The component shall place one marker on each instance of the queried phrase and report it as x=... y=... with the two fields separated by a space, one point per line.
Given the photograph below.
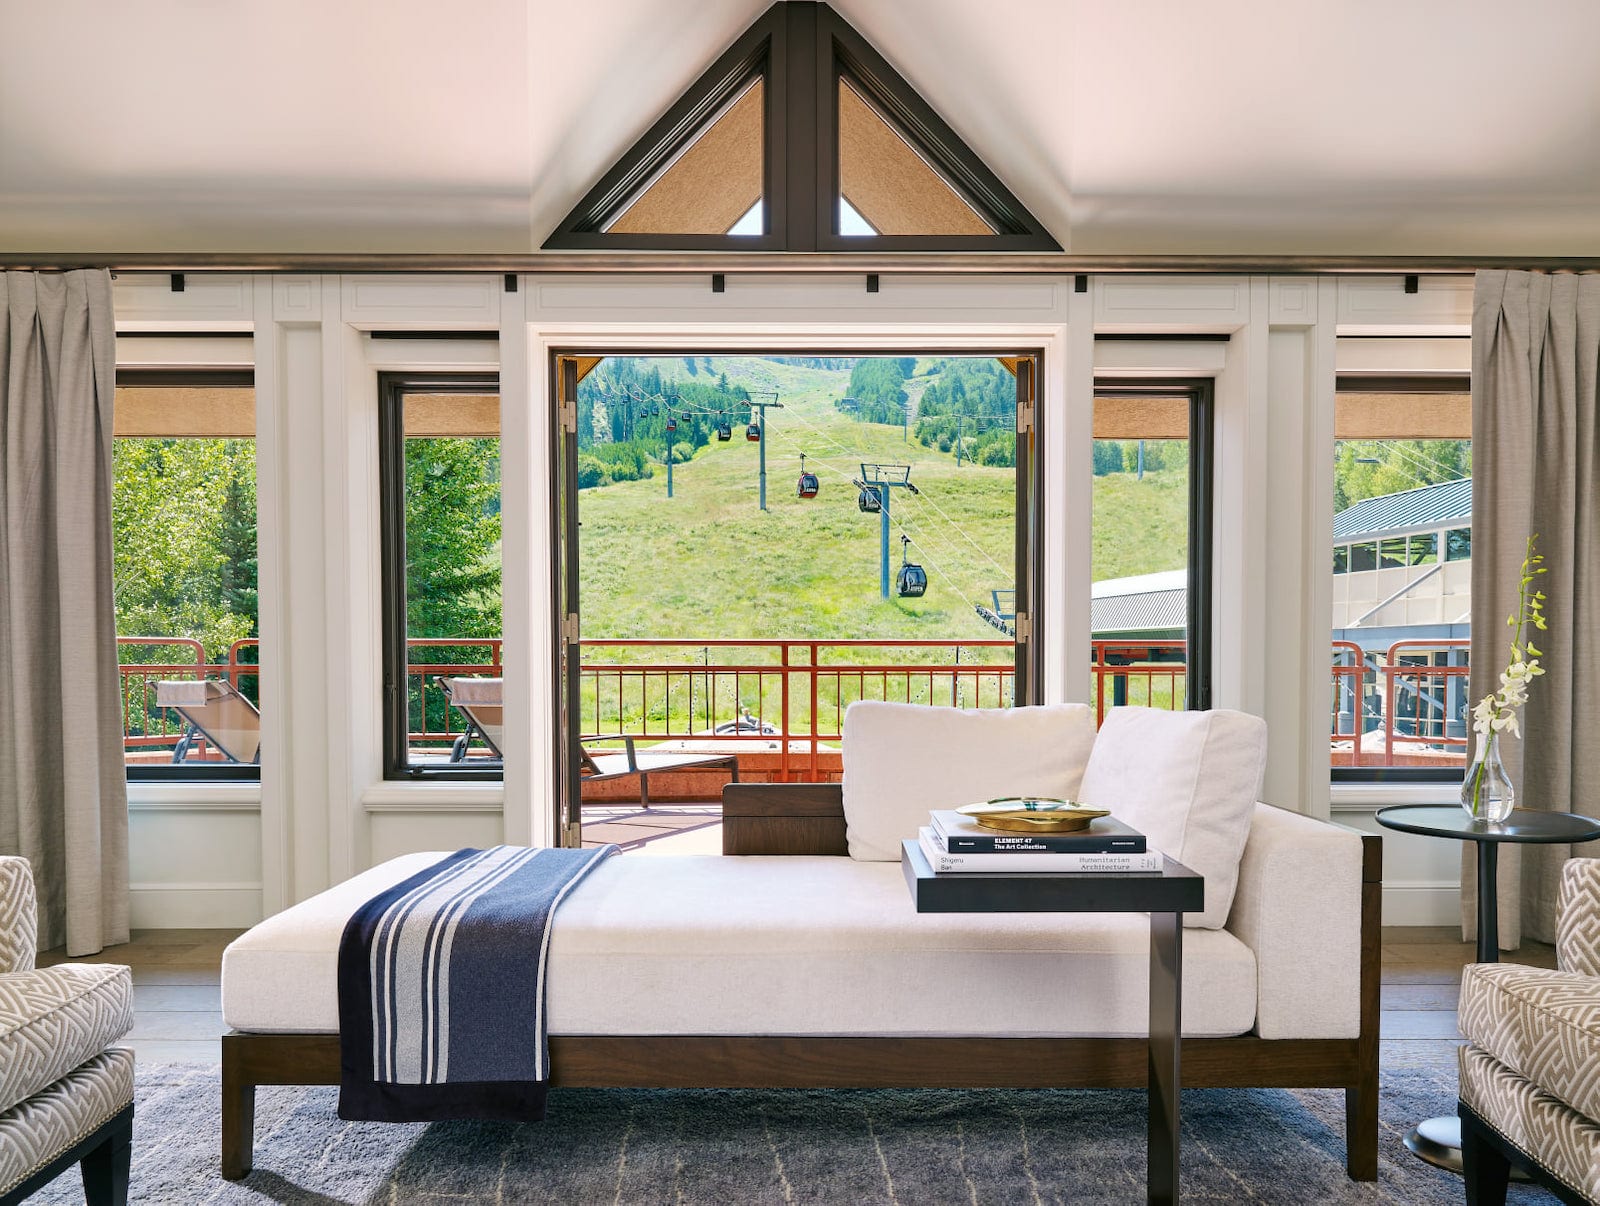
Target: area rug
x=796 y=1146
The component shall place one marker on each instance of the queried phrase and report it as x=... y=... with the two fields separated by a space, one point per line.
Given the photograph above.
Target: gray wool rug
x=801 y=1146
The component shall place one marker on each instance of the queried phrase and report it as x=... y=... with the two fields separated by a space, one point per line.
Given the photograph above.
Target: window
x=1150 y=614
x=439 y=481
x=184 y=561
x=800 y=137
x=1401 y=616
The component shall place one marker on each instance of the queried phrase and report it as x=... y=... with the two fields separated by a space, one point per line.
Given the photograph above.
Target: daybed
x=799 y=965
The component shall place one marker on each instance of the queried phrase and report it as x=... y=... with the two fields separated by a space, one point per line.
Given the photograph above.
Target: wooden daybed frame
x=808 y=818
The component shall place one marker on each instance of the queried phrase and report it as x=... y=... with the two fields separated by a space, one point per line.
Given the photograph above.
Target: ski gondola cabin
x=868 y=501
x=753 y=433
x=808 y=485
x=912 y=580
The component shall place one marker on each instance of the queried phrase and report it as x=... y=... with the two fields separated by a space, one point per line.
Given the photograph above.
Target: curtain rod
x=738 y=262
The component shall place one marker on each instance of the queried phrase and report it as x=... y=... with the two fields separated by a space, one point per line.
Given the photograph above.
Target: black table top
x=1174 y=889
x=1523 y=825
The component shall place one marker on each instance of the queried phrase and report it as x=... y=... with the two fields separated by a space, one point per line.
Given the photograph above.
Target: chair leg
x=105 y=1169
x=644 y=790
x=1484 y=1166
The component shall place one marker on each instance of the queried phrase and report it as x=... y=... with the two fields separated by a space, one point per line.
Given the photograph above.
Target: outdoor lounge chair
x=481 y=701
x=215 y=710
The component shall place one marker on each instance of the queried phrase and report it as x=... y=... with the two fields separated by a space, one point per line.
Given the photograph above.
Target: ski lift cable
x=926 y=540
x=822 y=435
x=1417 y=460
x=922 y=496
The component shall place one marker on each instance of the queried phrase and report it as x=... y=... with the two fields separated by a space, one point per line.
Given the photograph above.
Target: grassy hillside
x=708 y=563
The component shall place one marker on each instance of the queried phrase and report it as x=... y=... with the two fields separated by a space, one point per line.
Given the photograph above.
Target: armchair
x=1530 y=1071
x=66 y=1095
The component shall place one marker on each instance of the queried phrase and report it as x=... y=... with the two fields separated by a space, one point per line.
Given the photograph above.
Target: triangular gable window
x=801 y=137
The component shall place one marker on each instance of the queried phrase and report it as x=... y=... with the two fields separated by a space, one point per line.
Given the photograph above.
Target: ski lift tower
x=881 y=480
x=761 y=407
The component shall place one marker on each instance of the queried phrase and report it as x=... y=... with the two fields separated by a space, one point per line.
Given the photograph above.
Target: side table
x=1166 y=895
x=1438 y=1140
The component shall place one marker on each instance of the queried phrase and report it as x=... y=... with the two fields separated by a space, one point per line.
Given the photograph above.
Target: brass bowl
x=1032 y=814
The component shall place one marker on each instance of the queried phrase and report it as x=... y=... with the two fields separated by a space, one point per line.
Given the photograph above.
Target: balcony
x=780 y=703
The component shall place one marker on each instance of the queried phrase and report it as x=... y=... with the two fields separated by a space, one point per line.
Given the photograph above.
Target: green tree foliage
x=877 y=389
x=452 y=506
x=624 y=406
x=184 y=546
x=1367 y=468
x=1122 y=456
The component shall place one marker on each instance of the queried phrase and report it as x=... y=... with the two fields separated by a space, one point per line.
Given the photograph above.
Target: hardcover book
x=959 y=834
x=1014 y=861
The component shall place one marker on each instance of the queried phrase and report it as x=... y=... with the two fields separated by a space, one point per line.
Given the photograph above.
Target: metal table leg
x=1166 y=983
x=1438 y=1140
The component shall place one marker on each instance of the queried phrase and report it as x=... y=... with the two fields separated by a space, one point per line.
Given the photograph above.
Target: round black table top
x=1523 y=825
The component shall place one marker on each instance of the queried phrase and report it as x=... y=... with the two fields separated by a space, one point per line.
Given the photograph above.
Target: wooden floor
x=178 y=1016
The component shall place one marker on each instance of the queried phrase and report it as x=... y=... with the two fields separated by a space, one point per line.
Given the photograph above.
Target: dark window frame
x=1200 y=598
x=198 y=378
x=1452 y=383
x=393 y=389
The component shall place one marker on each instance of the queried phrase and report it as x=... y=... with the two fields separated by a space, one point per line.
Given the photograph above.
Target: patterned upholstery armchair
x=1530 y=1072
x=66 y=1095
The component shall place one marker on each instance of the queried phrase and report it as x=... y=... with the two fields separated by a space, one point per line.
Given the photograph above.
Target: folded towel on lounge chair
x=441 y=988
x=182 y=693
x=477 y=691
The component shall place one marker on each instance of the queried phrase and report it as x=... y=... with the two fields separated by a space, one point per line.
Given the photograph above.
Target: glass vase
x=1486 y=792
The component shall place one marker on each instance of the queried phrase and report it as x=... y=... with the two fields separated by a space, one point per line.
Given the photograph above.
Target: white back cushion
x=1188 y=781
x=901 y=761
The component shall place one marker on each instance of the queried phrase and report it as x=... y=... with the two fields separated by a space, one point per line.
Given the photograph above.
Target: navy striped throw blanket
x=441 y=988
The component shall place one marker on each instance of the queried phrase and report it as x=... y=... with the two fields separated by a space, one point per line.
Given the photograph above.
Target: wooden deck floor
x=178 y=1018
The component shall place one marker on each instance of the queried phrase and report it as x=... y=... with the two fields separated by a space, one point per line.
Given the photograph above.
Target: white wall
x=226 y=854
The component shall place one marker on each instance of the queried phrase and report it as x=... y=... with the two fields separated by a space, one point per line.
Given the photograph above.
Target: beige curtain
x=1535 y=457
x=63 y=792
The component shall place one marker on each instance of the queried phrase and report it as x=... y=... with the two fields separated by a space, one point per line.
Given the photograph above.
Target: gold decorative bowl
x=1032 y=814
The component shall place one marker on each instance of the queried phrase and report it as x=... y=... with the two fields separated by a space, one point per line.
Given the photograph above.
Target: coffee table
x=1166 y=895
x=1438 y=1140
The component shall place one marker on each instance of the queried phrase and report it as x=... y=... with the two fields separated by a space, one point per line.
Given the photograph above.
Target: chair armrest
x=1578 y=930
x=627 y=745
x=1298 y=907
x=19 y=919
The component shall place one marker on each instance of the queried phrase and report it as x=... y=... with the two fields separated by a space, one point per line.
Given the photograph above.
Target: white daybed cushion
x=901 y=761
x=1189 y=782
x=778 y=945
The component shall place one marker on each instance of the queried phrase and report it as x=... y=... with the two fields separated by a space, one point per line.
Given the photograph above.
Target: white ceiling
x=1148 y=126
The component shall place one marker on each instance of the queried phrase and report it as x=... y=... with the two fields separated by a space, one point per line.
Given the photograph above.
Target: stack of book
x=956 y=843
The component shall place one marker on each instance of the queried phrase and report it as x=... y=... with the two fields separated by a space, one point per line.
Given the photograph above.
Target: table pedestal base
x=1438 y=1141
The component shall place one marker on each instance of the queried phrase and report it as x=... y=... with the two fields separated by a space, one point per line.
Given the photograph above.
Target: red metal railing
x=660 y=690
x=1413 y=694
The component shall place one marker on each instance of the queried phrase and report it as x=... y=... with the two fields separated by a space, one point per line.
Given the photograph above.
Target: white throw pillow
x=901 y=761
x=1188 y=781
